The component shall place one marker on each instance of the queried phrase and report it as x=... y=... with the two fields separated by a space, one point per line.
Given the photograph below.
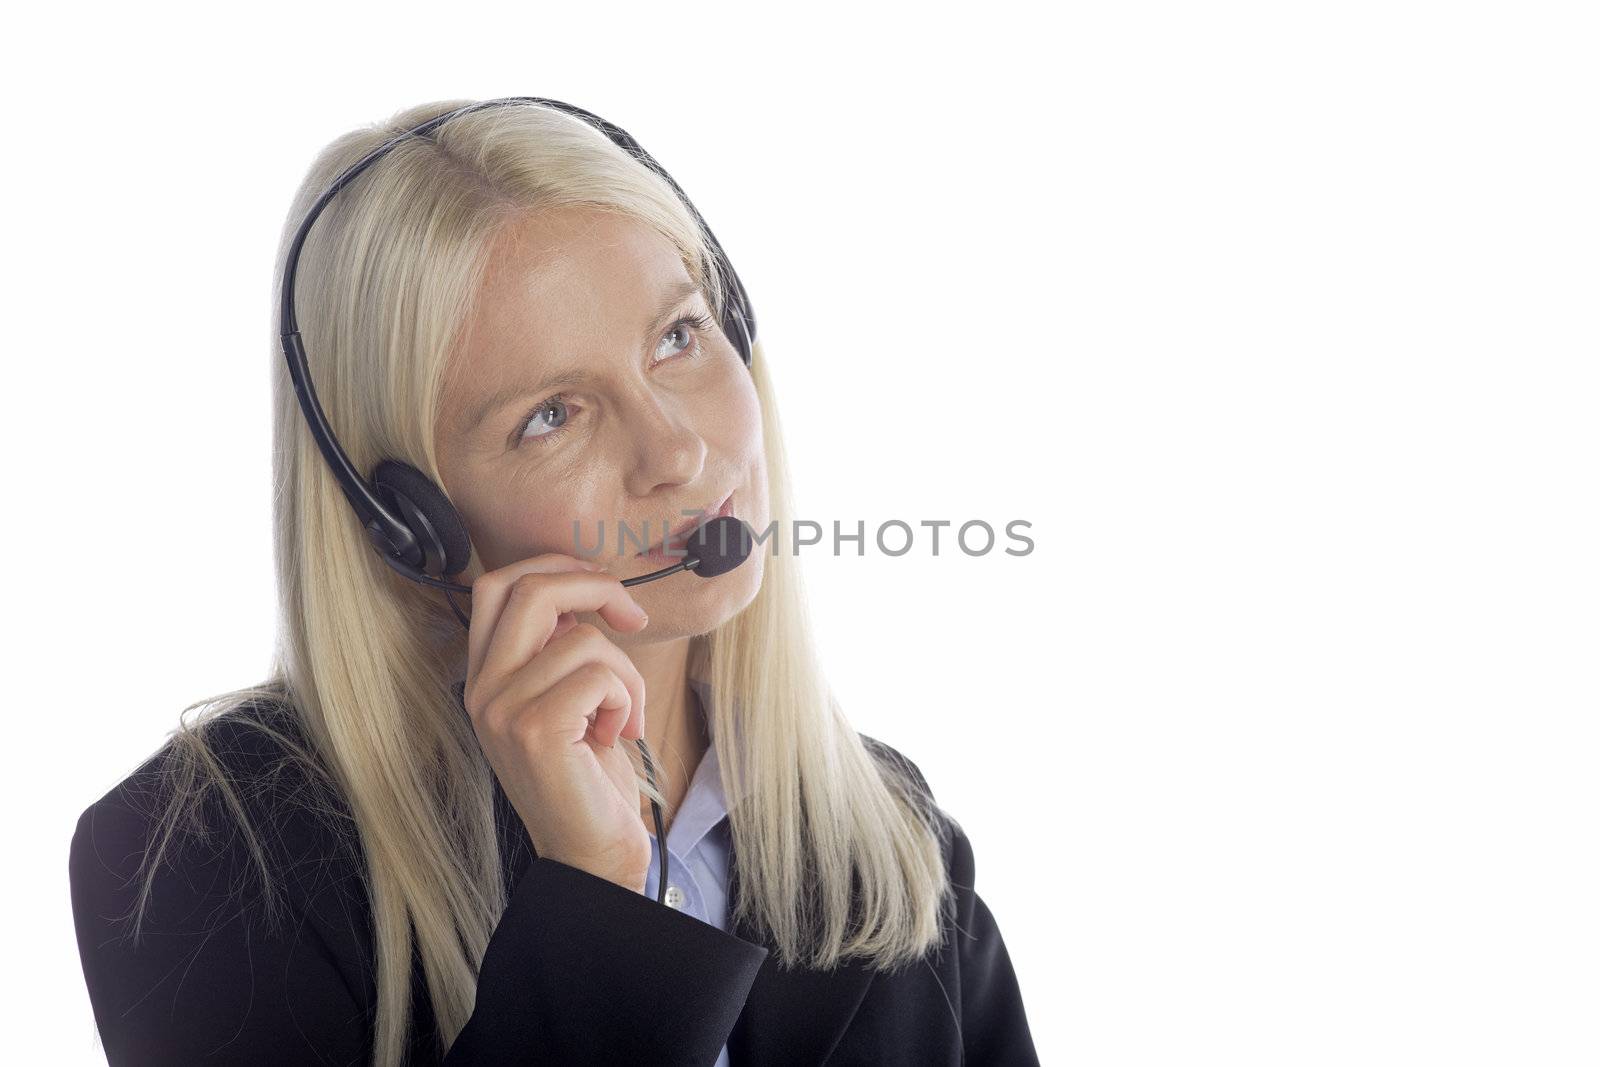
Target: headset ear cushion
x=392 y=480
x=737 y=328
x=738 y=320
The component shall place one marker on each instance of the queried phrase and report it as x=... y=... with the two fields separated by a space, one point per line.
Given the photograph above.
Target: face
x=594 y=386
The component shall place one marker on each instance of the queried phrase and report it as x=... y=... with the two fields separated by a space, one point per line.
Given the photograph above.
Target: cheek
x=739 y=422
x=532 y=522
x=745 y=447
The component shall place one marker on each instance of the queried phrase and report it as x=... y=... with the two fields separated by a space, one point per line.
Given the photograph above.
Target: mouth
x=679 y=537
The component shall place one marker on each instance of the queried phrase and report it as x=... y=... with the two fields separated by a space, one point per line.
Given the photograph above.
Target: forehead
x=570 y=274
x=561 y=289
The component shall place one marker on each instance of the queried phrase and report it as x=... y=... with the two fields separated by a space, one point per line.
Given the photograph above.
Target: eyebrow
x=671 y=298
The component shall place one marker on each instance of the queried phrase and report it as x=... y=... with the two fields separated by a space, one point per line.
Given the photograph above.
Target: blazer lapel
x=792 y=1015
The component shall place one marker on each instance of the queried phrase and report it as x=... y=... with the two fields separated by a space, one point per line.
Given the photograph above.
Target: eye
x=548 y=418
x=691 y=337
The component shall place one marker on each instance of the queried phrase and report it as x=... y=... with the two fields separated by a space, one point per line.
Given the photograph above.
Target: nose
x=667 y=450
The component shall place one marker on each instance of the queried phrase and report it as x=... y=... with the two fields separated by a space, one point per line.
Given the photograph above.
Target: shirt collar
x=705 y=803
x=704 y=807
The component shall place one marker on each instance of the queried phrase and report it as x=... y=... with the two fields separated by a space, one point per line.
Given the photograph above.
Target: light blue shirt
x=697 y=847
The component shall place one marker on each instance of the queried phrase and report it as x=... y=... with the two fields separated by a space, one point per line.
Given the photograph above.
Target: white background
x=1276 y=321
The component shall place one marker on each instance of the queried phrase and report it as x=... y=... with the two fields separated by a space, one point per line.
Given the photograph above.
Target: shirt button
x=674 y=897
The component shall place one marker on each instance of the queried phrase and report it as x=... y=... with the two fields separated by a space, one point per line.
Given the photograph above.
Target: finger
x=494 y=592
x=564 y=622
x=490 y=591
x=584 y=643
x=534 y=604
x=598 y=700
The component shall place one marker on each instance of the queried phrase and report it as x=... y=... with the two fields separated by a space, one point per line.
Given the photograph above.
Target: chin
x=684 y=605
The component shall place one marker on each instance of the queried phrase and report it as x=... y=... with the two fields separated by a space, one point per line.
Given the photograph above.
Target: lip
x=680 y=536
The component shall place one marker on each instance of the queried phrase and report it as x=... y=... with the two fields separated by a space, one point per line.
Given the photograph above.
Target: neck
x=674 y=724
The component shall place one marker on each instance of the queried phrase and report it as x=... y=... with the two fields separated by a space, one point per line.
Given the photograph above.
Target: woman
x=420 y=843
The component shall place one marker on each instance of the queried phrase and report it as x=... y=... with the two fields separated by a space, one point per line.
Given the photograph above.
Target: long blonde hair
x=838 y=851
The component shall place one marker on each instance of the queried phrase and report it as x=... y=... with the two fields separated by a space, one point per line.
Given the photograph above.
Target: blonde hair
x=839 y=851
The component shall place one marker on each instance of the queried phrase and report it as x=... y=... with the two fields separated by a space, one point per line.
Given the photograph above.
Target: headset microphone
x=708 y=552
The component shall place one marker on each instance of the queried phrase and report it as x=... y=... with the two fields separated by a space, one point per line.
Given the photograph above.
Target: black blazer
x=578 y=971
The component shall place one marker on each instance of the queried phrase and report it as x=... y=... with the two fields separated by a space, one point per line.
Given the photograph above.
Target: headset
x=407 y=516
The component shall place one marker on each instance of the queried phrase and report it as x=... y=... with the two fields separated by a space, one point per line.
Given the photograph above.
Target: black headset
x=406 y=514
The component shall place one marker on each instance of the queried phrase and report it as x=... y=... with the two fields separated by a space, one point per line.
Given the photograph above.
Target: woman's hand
x=549 y=698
